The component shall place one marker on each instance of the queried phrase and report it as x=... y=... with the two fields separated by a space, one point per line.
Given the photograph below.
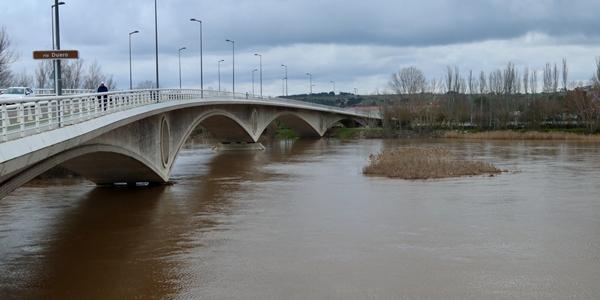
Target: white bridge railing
x=51 y=92
x=24 y=117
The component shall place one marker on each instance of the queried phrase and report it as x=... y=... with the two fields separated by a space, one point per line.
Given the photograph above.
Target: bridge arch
x=223 y=125
x=301 y=125
x=119 y=165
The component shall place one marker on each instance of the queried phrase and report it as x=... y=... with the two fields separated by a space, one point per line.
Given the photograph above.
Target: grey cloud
x=99 y=30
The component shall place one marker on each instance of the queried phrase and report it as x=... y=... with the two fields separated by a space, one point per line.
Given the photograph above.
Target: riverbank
x=522 y=135
x=380 y=133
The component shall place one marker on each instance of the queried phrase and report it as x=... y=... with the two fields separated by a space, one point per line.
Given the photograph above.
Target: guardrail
x=51 y=92
x=28 y=116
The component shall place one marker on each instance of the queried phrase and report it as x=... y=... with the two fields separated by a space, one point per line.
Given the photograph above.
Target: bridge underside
x=116 y=168
x=144 y=150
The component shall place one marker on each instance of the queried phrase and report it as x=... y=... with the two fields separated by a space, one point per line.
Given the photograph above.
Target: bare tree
x=482 y=83
x=547 y=88
x=509 y=79
x=596 y=77
x=533 y=82
x=22 y=79
x=146 y=84
x=408 y=81
x=110 y=82
x=555 y=79
x=44 y=75
x=475 y=85
x=565 y=73
x=94 y=76
x=495 y=82
x=459 y=82
x=526 y=80
x=471 y=82
x=72 y=73
x=7 y=57
x=449 y=79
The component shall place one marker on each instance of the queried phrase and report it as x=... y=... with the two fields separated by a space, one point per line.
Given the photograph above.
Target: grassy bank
x=356 y=133
x=425 y=163
x=286 y=134
x=522 y=135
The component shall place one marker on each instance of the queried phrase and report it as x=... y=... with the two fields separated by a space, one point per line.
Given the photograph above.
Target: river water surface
x=300 y=221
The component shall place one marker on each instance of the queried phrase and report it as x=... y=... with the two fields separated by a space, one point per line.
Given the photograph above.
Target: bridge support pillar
x=239 y=146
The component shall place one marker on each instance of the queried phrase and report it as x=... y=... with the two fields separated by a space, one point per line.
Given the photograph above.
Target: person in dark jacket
x=103 y=89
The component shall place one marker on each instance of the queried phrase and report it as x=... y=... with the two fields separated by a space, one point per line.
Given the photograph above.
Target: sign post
x=56 y=54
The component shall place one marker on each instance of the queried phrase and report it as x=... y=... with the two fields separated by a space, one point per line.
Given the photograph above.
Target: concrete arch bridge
x=135 y=136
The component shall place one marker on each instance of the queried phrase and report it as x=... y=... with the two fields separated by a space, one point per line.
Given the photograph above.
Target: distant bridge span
x=135 y=136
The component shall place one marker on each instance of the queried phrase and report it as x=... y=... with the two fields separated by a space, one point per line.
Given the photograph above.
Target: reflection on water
x=299 y=221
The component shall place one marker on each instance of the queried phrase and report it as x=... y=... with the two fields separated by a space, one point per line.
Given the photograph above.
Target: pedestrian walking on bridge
x=103 y=99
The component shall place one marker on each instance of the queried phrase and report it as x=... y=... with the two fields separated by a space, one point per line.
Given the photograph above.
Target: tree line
x=504 y=98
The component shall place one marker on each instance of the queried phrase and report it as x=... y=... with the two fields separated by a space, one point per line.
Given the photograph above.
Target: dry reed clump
x=425 y=163
x=515 y=135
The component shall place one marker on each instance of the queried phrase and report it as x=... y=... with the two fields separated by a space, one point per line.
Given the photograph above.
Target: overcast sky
x=357 y=44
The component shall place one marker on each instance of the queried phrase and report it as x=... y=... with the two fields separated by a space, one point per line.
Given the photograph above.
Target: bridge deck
x=27 y=117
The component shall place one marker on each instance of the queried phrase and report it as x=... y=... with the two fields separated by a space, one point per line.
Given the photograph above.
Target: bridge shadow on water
x=132 y=242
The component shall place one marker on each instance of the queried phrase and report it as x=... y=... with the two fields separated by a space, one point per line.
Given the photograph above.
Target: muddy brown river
x=300 y=221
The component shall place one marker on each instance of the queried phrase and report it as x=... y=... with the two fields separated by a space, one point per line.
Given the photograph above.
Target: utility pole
x=310 y=85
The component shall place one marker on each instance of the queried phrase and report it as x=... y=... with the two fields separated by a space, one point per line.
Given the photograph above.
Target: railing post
x=37 y=116
x=90 y=104
x=60 y=113
x=50 y=113
x=21 y=119
x=80 y=112
x=4 y=123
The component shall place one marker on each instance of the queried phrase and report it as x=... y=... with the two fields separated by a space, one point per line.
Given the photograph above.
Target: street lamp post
x=233 y=62
x=253 y=71
x=333 y=83
x=57 y=73
x=219 y=72
x=310 y=85
x=201 y=70
x=130 y=72
x=286 y=79
x=156 y=39
x=52 y=16
x=180 y=49
x=260 y=66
